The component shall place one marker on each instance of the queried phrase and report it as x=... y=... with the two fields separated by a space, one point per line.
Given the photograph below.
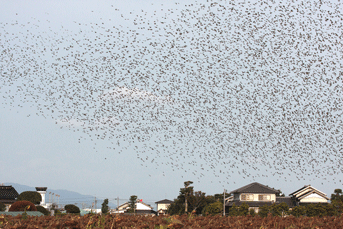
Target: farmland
x=183 y=221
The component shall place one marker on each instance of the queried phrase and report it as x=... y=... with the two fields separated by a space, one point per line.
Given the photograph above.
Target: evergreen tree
x=104 y=206
x=132 y=204
x=233 y=211
x=243 y=209
x=263 y=211
x=213 y=209
x=298 y=211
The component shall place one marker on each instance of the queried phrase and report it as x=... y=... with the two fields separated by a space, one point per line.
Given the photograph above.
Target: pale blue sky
x=223 y=95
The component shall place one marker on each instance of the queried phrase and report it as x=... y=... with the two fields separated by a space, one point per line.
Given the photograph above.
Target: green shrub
x=71 y=208
x=298 y=211
x=263 y=211
x=252 y=212
x=2 y=207
x=33 y=197
x=243 y=209
x=213 y=208
x=233 y=211
x=21 y=205
x=43 y=210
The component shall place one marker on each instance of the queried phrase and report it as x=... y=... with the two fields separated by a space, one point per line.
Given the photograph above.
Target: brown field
x=163 y=222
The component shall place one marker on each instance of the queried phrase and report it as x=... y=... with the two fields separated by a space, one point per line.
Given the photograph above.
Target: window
x=248 y=197
x=264 y=197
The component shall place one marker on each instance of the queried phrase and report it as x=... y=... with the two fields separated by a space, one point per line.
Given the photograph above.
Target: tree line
x=197 y=202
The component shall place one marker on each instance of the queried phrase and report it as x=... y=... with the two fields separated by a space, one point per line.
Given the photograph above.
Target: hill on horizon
x=66 y=197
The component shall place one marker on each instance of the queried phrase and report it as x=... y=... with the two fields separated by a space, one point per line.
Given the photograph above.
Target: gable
x=313 y=197
x=305 y=190
x=310 y=194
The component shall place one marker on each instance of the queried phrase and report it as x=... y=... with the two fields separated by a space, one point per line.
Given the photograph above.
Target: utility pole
x=95 y=201
x=186 y=206
x=224 y=202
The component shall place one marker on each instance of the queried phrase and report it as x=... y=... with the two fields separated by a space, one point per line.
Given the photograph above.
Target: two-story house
x=162 y=206
x=255 y=195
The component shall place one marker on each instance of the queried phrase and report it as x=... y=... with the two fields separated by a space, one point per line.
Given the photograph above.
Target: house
x=162 y=206
x=309 y=195
x=255 y=195
x=141 y=208
x=8 y=195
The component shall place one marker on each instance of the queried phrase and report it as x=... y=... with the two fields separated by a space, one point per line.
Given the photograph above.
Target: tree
x=298 y=211
x=2 y=207
x=252 y=212
x=279 y=209
x=337 y=195
x=33 y=197
x=178 y=207
x=213 y=208
x=132 y=204
x=233 y=211
x=243 y=209
x=331 y=210
x=22 y=205
x=71 y=208
x=197 y=202
x=264 y=210
x=104 y=206
x=188 y=190
x=315 y=210
x=337 y=200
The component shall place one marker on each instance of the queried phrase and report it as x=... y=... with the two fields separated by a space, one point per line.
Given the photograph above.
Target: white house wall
x=313 y=198
x=162 y=206
x=255 y=197
x=140 y=206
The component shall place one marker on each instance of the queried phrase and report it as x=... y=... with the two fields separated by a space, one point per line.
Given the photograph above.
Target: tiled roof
x=255 y=188
x=29 y=213
x=165 y=201
x=8 y=193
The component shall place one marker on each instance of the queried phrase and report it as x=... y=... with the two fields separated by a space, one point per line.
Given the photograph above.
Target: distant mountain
x=67 y=197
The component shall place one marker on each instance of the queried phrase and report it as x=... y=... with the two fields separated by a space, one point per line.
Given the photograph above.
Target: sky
x=121 y=98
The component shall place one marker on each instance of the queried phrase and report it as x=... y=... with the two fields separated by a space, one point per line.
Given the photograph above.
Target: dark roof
x=165 y=201
x=41 y=188
x=8 y=193
x=287 y=200
x=255 y=188
x=250 y=203
x=299 y=189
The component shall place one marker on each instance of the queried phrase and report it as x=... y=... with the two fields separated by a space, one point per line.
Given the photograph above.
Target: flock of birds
x=217 y=87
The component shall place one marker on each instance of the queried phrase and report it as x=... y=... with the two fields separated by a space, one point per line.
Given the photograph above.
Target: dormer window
x=247 y=197
x=264 y=197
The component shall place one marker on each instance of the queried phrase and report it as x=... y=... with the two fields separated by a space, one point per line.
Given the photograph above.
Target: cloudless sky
x=38 y=148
